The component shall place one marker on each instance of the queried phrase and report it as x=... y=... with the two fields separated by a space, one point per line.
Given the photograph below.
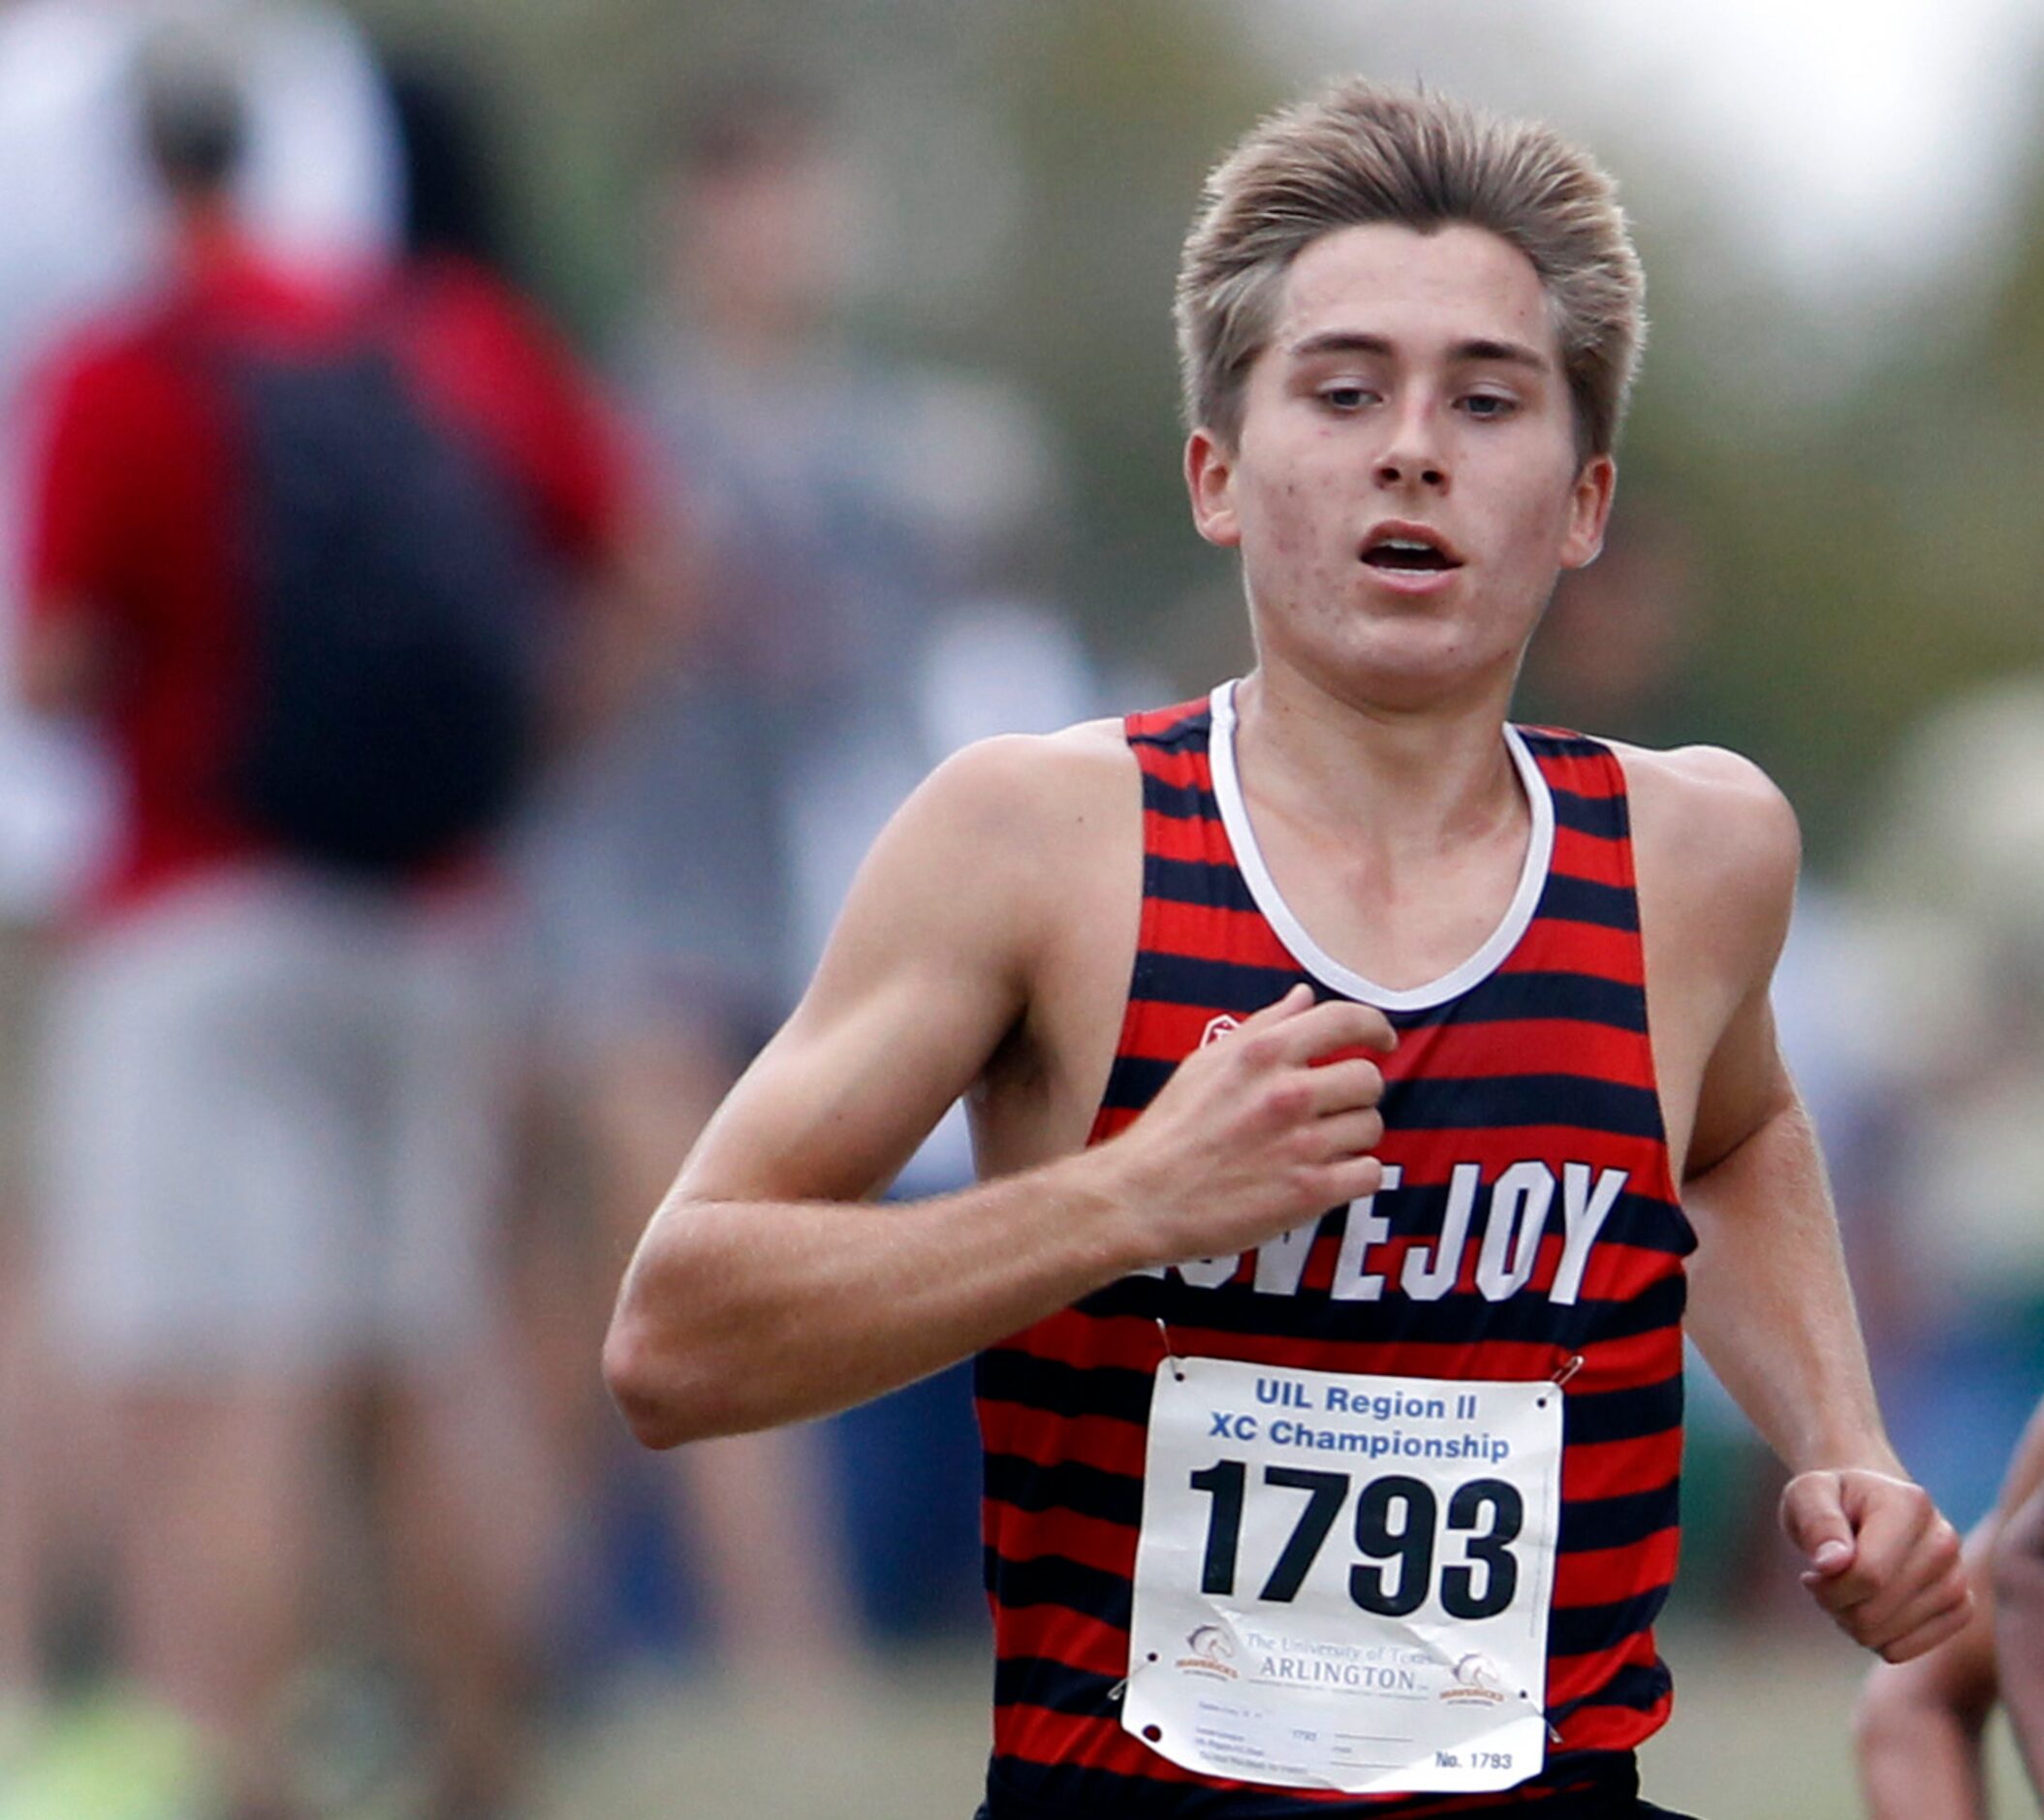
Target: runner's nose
x=1412 y=453
x=1391 y=472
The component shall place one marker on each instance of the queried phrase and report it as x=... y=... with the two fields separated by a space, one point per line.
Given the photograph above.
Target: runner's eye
x=1488 y=406
x=1346 y=397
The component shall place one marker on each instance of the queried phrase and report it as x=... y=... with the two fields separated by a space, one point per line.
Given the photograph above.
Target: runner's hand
x=1258 y=1131
x=1882 y=1561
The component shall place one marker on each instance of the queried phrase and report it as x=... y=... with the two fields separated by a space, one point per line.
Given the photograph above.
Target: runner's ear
x=1590 y=509
x=1209 y=476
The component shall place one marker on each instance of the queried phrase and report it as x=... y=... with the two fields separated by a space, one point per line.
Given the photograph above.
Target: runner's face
x=1406 y=486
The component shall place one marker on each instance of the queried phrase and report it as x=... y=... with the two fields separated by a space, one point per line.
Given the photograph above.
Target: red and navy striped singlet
x=1522 y=1092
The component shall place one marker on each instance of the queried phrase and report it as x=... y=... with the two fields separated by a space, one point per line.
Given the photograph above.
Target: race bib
x=1342 y=1581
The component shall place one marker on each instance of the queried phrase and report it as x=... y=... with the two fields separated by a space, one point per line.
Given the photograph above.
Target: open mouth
x=1407 y=552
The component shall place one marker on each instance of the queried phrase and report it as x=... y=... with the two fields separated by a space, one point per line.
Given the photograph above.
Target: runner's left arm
x=1770 y=1304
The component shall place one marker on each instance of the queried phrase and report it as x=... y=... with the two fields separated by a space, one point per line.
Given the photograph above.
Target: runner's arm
x=1770 y=1304
x=766 y=1289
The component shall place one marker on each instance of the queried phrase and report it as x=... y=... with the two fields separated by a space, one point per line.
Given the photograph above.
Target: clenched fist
x=1882 y=1561
x=1258 y=1131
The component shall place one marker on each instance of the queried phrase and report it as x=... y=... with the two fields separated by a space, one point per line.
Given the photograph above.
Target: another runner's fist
x=1258 y=1131
x=1882 y=1561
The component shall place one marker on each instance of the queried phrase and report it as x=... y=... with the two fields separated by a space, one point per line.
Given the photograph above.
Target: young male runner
x=1328 y=1270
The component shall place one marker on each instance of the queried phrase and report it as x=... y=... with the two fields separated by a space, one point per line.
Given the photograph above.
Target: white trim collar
x=1330 y=972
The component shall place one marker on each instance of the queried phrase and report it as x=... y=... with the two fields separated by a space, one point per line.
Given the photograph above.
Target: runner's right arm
x=766 y=1289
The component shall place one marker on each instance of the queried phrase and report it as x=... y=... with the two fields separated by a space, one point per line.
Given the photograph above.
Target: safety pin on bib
x=1170 y=1357
x=1177 y=1370
x=1569 y=1367
x=1120 y=1688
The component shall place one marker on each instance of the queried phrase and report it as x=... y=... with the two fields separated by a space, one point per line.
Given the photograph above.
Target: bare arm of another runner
x=766 y=1289
x=1919 y=1723
x=2016 y=1561
x=1768 y=1304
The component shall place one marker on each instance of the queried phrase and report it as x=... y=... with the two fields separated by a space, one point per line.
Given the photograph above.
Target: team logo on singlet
x=1218 y=1027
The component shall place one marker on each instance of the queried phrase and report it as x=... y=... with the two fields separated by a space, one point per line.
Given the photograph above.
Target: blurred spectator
x=275 y=1118
x=80 y=227
x=872 y=558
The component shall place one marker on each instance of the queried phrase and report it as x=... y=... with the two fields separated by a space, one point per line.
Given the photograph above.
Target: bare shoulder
x=1708 y=824
x=1018 y=778
x=1715 y=852
x=938 y=955
x=1024 y=803
x=988 y=852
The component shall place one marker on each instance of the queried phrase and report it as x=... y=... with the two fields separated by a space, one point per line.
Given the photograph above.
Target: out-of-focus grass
x=908 y=1743
x=1761 y=1732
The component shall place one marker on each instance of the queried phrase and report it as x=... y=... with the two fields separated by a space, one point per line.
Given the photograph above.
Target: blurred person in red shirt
x=277 y=1118
x=80 y=228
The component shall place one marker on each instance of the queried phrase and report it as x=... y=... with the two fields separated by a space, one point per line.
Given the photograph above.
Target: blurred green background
x=1849 y=451
x=1833 y=443
x=1825 y=534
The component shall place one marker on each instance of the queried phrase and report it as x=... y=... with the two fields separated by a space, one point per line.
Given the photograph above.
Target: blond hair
x=1360 y=153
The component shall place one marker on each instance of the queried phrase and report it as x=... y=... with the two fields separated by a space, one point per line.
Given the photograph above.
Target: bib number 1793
x=1400 y=1532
